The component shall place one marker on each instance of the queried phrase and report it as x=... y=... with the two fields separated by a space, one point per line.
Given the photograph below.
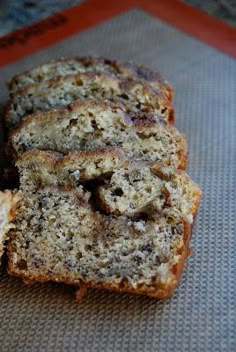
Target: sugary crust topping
x=137 y=95
x=65 y=66
x=144 y=136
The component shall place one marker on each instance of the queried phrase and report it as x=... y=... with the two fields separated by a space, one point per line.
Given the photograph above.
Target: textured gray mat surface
x=201 y=316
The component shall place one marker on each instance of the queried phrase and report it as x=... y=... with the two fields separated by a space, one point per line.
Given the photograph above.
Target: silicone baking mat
x=201 y=316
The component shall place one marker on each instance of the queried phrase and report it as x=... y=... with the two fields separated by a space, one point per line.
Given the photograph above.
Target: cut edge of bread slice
x=163 y=290
x=92 y=124
x=135 y=95
x=158 y=290
x=51 y=183
x=65 y=66
x=125 y=186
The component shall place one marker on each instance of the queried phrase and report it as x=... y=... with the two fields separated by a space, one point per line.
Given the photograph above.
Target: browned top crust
x=136 y=95
x=50 y=165
x=85 y=64
x=46 y=130
x=52 y=168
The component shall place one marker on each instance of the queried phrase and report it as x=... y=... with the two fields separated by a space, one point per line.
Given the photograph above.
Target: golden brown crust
x=57 y=160
x=131 y=69
x=126 y=84
x=158 y=98
x=51 y=167
x=141 y=122
x=81 y=291
x=153 y=77
x=171 y=119
x=127 y=69
x=60 y=112
x=183 y=159
x=98 y=154
x=46 y=157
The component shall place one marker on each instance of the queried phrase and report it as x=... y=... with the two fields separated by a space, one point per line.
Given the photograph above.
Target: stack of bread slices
x=103 y=198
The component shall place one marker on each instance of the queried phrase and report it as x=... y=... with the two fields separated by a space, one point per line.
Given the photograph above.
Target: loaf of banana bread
x=102 y=201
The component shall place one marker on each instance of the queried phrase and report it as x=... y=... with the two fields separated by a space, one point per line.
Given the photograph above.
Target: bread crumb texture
x=90 y=124
x=102 y=219
x=136 y=95
x=103 y=201
x=65 y=67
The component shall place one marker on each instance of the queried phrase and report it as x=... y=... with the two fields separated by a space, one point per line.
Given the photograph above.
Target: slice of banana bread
x=63 y=234
x=8 y=203
x=68 y=66
x=136 y=95
x=92 y=124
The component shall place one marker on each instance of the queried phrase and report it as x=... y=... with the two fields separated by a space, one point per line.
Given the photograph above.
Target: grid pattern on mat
x=201 y=316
